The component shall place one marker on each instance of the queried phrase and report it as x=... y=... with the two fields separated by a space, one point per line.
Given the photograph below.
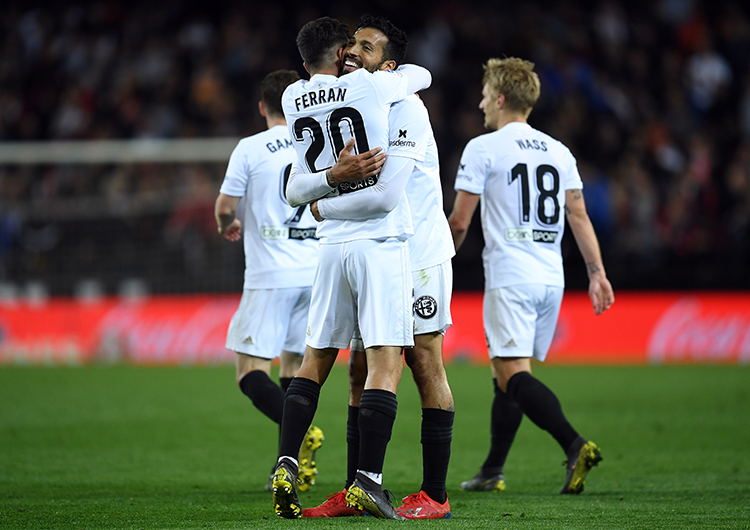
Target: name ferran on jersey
x=323 y=114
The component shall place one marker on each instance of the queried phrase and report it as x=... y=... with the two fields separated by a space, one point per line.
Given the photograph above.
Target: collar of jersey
x=515 y=125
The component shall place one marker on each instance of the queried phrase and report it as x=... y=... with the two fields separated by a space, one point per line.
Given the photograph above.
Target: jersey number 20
x=347 y=115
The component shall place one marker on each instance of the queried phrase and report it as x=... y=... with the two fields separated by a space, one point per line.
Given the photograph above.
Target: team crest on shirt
x=425 y=307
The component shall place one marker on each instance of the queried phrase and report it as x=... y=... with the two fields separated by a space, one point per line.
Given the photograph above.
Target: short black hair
x=273 y=86
x=395 y=48
x=319 y=39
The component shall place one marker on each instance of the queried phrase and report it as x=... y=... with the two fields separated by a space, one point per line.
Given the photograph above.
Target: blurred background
x=652 y=97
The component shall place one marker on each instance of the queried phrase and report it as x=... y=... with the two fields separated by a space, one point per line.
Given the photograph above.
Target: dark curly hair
x=395 y=49
x=319 y=39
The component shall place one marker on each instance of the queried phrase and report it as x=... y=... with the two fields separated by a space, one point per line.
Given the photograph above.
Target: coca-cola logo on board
x=687 y=332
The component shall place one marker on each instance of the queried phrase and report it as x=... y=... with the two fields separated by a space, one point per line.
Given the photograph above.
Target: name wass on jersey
x=522 y=175
x=280 y=246
x=323 y=114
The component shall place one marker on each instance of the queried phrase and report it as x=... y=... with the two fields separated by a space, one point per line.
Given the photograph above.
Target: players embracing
x=377 y=45
x=363 y=263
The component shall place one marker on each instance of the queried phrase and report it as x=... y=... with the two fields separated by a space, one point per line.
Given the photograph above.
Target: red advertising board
x=640 y=328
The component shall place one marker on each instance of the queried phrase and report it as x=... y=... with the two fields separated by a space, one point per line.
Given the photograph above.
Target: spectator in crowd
x=648 y=89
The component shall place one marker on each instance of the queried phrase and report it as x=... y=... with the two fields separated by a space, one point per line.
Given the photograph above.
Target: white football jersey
x=280 y=246
x=323 y=114
x=522 y=175
x=411 y=136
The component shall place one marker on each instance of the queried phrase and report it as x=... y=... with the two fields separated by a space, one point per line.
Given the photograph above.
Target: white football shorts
x=433 y=287
x=269 y=321
x=520 y=321
x=365 y=281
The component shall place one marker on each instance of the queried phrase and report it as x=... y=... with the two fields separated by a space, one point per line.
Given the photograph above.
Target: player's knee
x=357 y=369
x=248 y=363
x=424 y=360
x=506 y=375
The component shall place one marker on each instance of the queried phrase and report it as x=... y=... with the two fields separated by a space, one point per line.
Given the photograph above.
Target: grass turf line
x=136 y=447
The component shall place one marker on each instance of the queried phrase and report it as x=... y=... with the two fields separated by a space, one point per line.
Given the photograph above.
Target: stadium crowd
x=653 y=98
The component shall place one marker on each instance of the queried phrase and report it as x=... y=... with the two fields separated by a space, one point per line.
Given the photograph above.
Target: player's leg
x=377 y=413
x=294 y=346
x=379 y=271
x=505 y=419
x=432 y=294
x=335 y=504
x=329 y=327
x=509 y=323
x=425 y=360
x=532 y=304
x=301 y=399
x=300 y=404
x=308 y=468
x=357 y=369
x=288 y=367
x=256 y=333
x=253 y=378
x=536 y=400
x=290 y=364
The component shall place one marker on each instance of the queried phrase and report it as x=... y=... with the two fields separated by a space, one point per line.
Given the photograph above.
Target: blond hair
x=516 y=80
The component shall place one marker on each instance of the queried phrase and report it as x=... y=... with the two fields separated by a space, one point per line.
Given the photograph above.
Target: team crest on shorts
x=425 y=307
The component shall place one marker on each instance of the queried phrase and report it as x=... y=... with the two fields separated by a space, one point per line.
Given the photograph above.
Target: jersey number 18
x=547 y=189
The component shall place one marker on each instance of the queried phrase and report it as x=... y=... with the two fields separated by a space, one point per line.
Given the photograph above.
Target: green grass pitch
x=153 y=447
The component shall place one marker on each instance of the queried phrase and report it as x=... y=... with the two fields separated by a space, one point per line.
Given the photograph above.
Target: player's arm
x=303 y=188
x=418 y=77
x=225 y=212
x=384 y=196
x=370 y=202
x=460 y=218
x=391 y=87
x=600 y=290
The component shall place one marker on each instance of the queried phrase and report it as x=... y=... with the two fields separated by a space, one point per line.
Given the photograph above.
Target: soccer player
x=378 y=45
x=363 y=271
x=525 y=180
x=281 y=252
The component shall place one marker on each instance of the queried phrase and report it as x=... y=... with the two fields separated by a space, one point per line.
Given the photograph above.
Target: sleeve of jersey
x=235 y=180
x=472 y=169
x=573 y=178
x=304 y=188
x=395 y=86
x=418 y=77
x=409 y=128
x=374 y=201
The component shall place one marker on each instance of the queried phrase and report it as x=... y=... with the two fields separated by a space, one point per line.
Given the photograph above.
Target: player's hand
x=353 y=168
x=232 y=232
x=315 y=211
x=601 y=293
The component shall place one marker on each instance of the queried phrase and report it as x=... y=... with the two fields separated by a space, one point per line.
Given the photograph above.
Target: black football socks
x=506 y=418
x=437 y=434
x=284 y=383
x=300 y=404
x=542 y=407
x=266 y=395
x=352 y=445
x=377 y=411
